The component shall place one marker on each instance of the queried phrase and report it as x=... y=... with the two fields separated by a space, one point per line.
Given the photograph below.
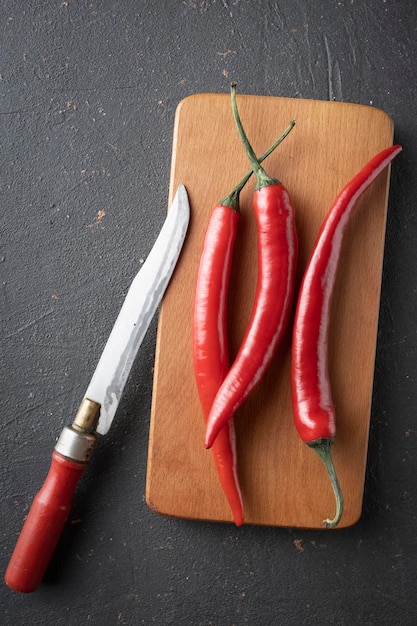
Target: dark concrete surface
x=88 y=92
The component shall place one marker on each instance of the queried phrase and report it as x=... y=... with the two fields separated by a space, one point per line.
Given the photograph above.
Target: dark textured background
x=88 y=92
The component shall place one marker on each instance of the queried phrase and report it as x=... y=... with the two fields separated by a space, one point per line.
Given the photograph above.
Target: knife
x=51 y=505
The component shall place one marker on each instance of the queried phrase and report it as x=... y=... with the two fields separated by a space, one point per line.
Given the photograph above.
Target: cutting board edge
x=159 y=510
x=268 y=97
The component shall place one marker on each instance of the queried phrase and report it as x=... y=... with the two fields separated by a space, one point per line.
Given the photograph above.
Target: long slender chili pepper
x=210 y=346
x=277 y=259
x=314 y=413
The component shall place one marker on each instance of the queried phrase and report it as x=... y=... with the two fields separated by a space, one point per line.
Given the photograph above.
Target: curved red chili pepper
x=314 y=414
x=277 y=260
x=210 y=344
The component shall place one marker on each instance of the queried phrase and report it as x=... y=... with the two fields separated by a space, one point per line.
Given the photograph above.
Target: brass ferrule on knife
x=87 y=416
x=77 y=441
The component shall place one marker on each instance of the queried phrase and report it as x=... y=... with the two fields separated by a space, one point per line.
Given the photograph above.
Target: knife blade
x=138 y=309
x=72 y=452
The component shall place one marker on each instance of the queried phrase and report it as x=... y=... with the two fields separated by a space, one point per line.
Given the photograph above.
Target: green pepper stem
x=323 y=449
x=262 y=178
x=231 y=200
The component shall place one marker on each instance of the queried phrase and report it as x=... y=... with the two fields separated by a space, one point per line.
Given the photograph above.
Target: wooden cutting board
x=284 y=483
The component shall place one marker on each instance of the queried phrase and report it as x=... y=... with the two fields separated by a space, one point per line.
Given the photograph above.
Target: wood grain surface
x=283 y=481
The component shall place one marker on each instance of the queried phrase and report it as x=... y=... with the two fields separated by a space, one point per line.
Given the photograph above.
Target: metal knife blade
x=139 y=307
x=52 y=504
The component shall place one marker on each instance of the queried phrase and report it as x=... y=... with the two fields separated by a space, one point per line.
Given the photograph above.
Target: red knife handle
x=52 y=504
x=43 y=525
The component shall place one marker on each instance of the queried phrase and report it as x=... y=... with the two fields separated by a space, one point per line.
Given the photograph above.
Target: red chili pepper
x=211 y=354
x=314 y=413
x=210 y=344
x=277 y=260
